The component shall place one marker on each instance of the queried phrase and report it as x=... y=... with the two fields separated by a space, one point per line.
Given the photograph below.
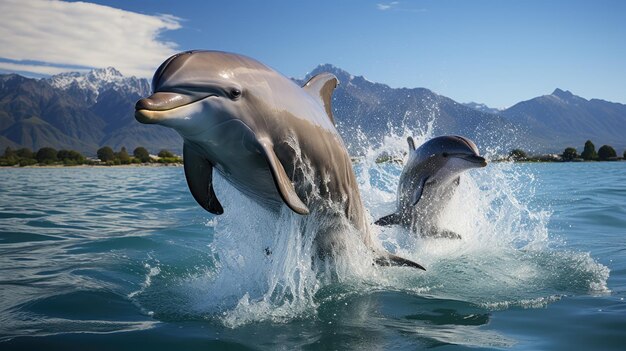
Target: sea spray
x=505 y=255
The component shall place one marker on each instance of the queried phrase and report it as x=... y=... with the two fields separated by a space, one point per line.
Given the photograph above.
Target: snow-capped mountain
x=89 y=85
x=482 y=107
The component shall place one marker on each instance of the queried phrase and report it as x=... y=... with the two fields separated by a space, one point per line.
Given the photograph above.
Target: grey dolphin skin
x=429 y=180
x=271 y=139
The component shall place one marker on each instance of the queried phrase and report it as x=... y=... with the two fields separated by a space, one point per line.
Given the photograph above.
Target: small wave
x=151 y=272
x=539 y=302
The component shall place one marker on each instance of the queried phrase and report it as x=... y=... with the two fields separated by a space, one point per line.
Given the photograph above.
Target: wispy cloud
x=397 y=6
x=37 y=68
x=47 y=37
x=386 y=6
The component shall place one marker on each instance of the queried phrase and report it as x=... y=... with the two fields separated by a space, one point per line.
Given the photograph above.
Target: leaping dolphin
x=271 y=139
x=428 y=181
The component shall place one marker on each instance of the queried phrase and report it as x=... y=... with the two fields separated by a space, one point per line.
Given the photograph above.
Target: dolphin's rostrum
x=271 y=139
x=428 y=181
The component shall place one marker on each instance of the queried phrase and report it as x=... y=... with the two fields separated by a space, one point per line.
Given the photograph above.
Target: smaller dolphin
x=429 y=180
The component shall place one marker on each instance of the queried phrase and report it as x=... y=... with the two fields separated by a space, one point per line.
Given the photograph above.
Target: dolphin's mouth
x=479 y=160
x=148 y=110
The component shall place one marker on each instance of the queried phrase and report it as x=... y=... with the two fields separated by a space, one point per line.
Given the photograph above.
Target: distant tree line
x=605 y=153
x=50 y=156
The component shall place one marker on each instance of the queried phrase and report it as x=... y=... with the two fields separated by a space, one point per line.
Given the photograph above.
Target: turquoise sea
x=123 y=259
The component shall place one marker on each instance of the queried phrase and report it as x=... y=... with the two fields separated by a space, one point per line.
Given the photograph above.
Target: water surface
x=103 y=258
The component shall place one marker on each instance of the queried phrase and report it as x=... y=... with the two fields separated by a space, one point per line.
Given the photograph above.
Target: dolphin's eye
x=235 y=93
x=445 y=154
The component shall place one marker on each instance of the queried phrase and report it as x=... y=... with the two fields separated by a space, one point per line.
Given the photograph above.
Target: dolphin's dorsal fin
x=419 y=190
x=321 y=87
x=411 y=143
x=199 y=174
x=281 y=180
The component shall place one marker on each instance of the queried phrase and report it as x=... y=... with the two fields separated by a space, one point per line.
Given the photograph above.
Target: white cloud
x=37 y=69
x=387 y=6
x=397 y=7
x=81 y=35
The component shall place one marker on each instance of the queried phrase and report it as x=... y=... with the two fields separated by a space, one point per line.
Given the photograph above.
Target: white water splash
x=505 y=256
x=268 y=267
x=267 y=270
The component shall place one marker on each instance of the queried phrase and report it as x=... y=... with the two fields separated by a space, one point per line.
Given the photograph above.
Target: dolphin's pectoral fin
x=393 y=260
x=394 y=218
x=199 y=174
x=321 y=87
x=411 y=143
x=281 y=180
x=419 y=190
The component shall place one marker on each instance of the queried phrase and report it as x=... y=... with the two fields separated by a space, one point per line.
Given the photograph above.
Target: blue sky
x=496 y=52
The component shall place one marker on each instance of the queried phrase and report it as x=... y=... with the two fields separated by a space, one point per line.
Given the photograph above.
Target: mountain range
x=77 y=111
x=84 y=111
x=563 y=119
x=365 y=112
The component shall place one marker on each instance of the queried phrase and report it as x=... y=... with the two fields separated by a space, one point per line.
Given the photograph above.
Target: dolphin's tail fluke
x=394 y=218
x=393 y=260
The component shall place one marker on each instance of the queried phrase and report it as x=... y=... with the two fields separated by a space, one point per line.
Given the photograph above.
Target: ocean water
x=123 y=258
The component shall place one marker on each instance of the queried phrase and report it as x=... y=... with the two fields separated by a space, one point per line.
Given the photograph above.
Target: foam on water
x=152 y=272
x=265 y=267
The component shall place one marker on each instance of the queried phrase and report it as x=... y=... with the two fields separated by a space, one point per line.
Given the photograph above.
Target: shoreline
x=156 y=164
x=558 y=161
x=132 y=165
